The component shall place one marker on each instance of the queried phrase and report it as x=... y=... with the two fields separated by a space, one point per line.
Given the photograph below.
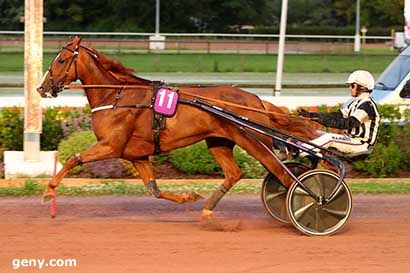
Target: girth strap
x=158 y=123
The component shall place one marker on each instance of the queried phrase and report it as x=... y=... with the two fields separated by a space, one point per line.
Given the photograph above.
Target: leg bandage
x=216 y=196
x=153 y=189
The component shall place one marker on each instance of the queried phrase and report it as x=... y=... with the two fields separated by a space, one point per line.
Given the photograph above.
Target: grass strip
x=114 y=187
x=380 y=188
x=308 y=63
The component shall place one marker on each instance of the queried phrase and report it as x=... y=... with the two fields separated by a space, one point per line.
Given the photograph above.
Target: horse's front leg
x=50 y=193
x=145 y=170
x=99 y=151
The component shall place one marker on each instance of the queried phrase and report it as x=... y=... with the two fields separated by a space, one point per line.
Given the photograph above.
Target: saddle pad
x=166 y=101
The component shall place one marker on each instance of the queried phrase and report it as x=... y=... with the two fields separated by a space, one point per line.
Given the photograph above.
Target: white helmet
x=363 y=78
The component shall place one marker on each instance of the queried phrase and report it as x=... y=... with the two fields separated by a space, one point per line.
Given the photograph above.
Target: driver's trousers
x=343 y=143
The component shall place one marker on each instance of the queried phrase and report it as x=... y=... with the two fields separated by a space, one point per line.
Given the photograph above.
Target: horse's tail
x=276 y=115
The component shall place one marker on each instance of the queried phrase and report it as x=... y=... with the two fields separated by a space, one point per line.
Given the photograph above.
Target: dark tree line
x=202 y=15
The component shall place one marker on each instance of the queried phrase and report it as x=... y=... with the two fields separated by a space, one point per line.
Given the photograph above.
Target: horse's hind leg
x=222 y=151
x=145 y=170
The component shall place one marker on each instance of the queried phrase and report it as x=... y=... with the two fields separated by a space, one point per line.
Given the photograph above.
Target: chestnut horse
x=122 y=121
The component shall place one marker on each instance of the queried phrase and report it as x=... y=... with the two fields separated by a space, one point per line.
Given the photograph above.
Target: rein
x=111 y=86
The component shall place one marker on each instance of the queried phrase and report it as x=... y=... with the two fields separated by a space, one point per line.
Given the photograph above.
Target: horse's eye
x=61 y=61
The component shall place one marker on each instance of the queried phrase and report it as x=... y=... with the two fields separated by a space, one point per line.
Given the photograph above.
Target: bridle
x=57 y=87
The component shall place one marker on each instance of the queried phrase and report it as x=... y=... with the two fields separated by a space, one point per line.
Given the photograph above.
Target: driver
x=359 y=118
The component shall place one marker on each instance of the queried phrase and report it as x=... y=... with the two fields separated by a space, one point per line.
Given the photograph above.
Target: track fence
x=129 y=42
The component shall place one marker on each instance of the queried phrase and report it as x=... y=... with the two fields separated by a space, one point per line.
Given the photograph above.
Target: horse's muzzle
x=44 y=94
x=40 y=90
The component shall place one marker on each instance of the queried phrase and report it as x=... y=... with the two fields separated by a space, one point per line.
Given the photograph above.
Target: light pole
x=157 y=19
x=33 y=70
x=157 y=42
x=357 y=35
x=281 y=48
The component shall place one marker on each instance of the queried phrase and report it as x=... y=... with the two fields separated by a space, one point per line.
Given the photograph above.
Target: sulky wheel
x=274 y=192
x=320 y=216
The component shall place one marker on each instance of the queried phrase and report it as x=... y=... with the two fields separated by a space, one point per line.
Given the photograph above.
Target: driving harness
x=158 y=120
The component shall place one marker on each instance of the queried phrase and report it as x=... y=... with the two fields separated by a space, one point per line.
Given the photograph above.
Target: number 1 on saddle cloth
x=166 y=101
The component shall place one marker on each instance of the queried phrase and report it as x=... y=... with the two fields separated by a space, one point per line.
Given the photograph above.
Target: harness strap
x=111 y=106
x=118 y=96
x=105 y=107
x=157 y=125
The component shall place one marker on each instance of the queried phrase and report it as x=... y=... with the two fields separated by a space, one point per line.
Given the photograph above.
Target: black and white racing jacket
x=359 y=117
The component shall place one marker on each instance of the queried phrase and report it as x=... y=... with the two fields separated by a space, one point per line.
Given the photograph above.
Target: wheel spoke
x=301 y=211
x=323 y=183
x=339 y=192
x=283 y=212
x=318 y=220
x=272 y=196
x=301 y=192
x=340 y=214
x=319 y=185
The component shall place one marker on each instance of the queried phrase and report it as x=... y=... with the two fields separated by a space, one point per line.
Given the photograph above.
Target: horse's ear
x=76 y=41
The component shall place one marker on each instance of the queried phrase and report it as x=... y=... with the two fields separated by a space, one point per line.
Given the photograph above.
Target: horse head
x=62 y=70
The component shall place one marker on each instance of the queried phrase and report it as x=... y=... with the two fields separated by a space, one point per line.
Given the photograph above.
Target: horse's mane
x=117 y=69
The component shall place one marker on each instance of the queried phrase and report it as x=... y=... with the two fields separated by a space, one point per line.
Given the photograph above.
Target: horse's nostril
x=40 y=89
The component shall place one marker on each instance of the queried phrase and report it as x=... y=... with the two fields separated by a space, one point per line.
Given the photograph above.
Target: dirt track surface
x=142 y=234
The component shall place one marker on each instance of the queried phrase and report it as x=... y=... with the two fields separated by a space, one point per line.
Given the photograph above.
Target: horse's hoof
x=207 y=214
x=48 y=195
x=210 y=223
x=46 y=199
x=195 y=196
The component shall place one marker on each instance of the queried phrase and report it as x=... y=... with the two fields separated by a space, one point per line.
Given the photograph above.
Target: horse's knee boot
x=153 y=189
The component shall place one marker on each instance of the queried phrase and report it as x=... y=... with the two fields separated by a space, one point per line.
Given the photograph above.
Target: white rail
x=227 y=35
